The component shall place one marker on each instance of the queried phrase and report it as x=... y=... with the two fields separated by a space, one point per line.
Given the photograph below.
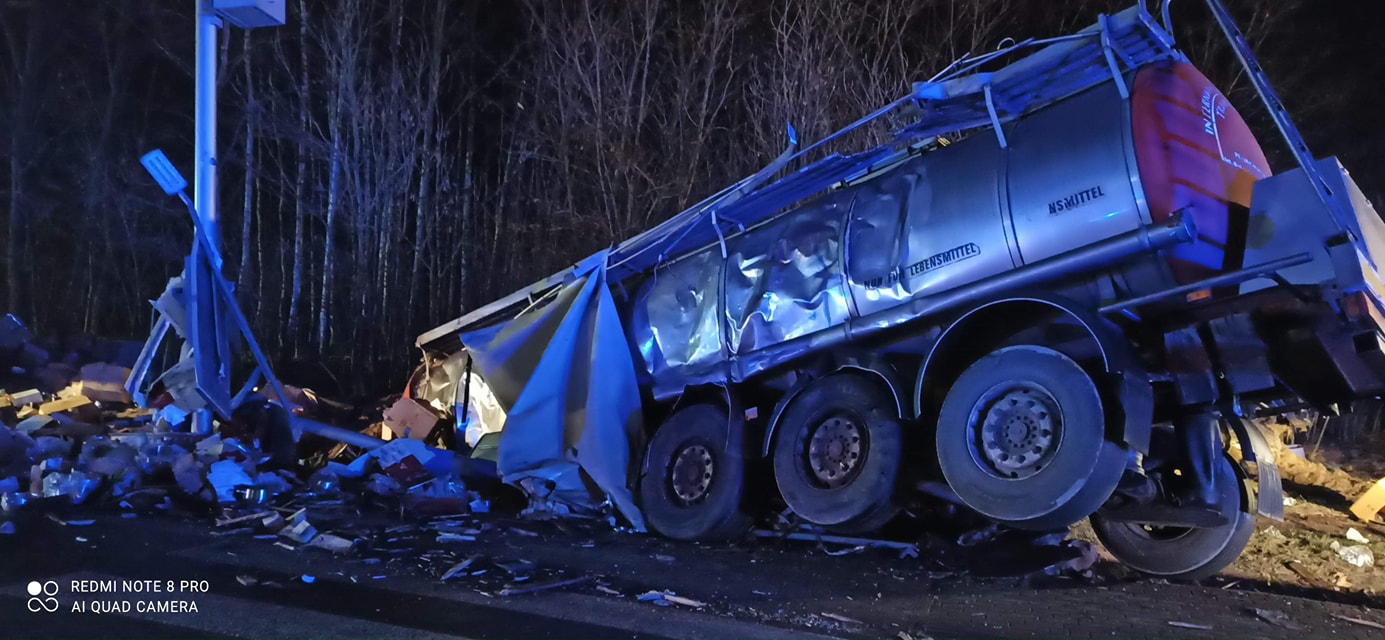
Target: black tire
x=1184 y=553
x=868 y=522
x=710 y=511
x=1021 y=439
x=845 y=479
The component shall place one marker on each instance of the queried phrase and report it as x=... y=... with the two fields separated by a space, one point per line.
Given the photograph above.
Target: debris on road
x=1080 y=565
x=546 y=586
x=831 y=539
x=1360 y=621
x=841 y=618
x=1190 y=625
x=1355 y=536
x=458 y=568
x=666 y=598
x=1277 y=618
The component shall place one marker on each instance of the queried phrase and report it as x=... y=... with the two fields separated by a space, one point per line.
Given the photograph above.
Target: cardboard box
x=26 y=397
x=105 y=383
x=1370 y=504
x=409 y=418
x=65 y=404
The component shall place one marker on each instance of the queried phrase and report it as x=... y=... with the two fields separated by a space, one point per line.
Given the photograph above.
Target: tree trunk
x=300 y=184
x=244 y=276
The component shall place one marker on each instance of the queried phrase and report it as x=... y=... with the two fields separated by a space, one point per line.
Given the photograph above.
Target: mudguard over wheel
x=692 y=484
x=1184 y=553
x=1021 y=439
x=837 y=452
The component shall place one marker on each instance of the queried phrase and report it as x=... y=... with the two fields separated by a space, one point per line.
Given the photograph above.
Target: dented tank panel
x=1081 y=171
x=785 y=279
x=675 y=321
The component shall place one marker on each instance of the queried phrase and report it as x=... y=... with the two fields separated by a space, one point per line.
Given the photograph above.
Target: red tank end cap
x=1194 y=150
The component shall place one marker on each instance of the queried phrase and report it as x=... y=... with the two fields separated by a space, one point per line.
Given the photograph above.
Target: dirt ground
x=1301 y=554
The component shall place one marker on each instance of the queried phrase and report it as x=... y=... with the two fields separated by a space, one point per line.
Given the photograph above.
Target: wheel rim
x=836 y=451
x=1015 y=430
x=690 y=475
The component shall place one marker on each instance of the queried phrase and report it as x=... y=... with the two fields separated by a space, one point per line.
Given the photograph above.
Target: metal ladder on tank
x=1275 y=106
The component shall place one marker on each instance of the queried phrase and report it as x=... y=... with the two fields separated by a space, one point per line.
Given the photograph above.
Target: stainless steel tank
x=1086 y=169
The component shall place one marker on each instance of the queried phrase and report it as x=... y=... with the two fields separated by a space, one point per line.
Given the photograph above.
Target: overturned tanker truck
x=1055 y=289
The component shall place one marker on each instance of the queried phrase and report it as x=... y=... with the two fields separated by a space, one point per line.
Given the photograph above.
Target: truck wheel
x=1021 y=439
x=1182 y=553
x=691 y=487
x=837 y=453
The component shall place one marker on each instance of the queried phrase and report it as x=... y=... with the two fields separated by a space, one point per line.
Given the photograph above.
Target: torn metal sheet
x=564 y=375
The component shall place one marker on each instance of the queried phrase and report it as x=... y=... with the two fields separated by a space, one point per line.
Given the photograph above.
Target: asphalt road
x=244 y=587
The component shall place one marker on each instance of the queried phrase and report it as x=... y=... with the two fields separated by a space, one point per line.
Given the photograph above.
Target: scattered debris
x=545 y=586
x=1289 y=502
x=1360 y=621
x=666 y=598
x=409 y=418
x=841 y=618
x=609 y=591
x=248 y=581
x=845 y=551
x=985 y=534
x=1080 y=565
x=1190 y=625
x=1357 y=555
x=458 y=568
x=1277 y=618
x=307 y=579
x=1355 y=536
x=904 y=547
x=7 y=528
x=1370 y=503
x=335 y=544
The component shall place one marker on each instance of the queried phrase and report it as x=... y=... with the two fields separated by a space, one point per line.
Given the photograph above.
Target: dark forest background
x=386 y=165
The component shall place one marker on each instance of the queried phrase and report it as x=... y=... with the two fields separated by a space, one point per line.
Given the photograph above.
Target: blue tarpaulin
x=565 y=376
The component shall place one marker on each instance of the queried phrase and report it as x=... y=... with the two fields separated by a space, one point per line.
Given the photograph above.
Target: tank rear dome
x=1194 y=150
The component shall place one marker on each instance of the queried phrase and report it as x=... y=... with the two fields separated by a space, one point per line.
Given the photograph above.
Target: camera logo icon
x=42 y=599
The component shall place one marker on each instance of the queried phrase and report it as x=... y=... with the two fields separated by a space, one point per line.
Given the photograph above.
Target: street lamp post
x=246 y=14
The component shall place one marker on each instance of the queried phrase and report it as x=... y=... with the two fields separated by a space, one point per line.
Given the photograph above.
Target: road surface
x=250 y=588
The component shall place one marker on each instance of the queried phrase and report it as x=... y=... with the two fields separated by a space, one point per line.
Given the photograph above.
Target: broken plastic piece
x=544 y=586
x=1278 y=618
x=1358 y=555
x=335 y=544
x=225 y=476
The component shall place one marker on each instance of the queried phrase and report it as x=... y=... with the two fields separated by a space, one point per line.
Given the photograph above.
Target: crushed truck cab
x=1055 y=287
